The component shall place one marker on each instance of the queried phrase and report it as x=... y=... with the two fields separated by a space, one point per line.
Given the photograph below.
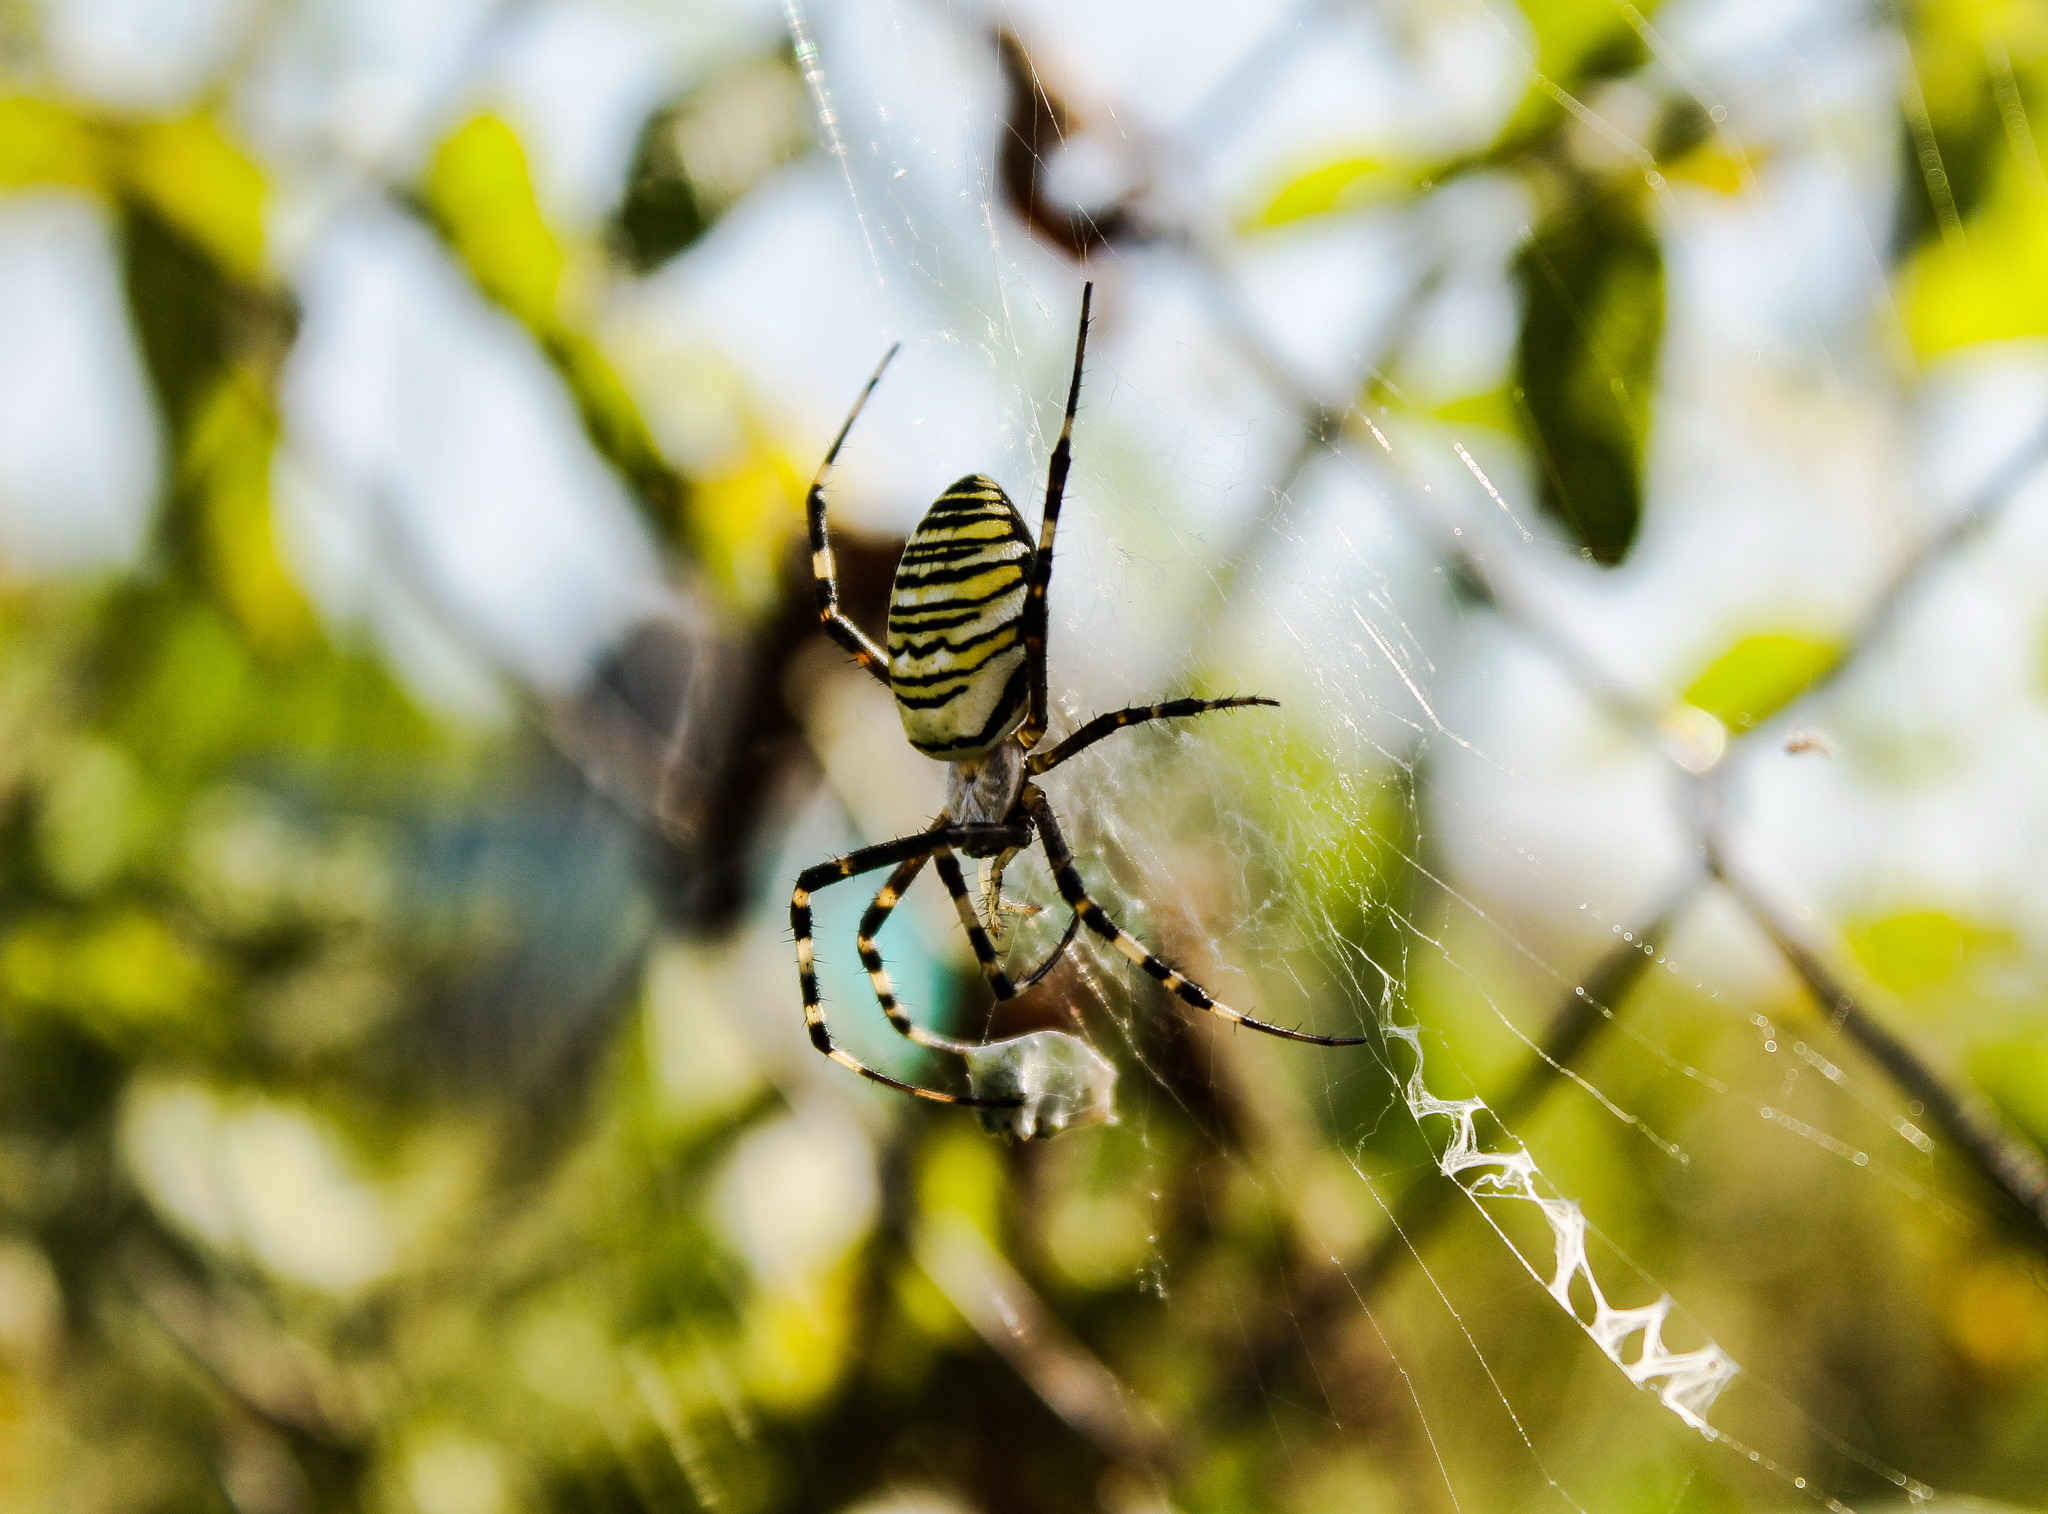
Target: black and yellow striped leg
x=1109 y=725
x=1036 y=714
x=885 y=900
x=970 y=921
x=1092 y=915
x=852 y=865
x=842 y=630
x=978 y=936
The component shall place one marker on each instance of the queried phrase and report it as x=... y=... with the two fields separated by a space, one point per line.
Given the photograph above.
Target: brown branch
x=2005 y=1158
x=1020 y=1328
x=1037 y=124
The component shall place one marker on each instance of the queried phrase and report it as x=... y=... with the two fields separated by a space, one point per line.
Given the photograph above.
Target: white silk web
x=1484 y=798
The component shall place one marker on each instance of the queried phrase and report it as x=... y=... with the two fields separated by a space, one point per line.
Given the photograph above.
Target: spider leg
x=978 y=937
x=1052 y=960
x=1108 y=725
x=970 y=921
x=1091 y=914
x=885 y=900
x=853 y=864
x=842 y=630
x=1035 y=714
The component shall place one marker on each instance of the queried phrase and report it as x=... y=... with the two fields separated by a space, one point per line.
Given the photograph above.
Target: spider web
x=1474 y=807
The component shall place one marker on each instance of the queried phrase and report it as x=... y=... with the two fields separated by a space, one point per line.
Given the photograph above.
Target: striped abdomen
x=956 y=636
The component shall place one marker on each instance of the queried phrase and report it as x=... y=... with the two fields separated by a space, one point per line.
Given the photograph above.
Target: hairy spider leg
x=1036 y=712
x=1110 y=724
x=866 y=860
x=886 y=899
x=842 y=630
x=977 y=934
x=1091 y=914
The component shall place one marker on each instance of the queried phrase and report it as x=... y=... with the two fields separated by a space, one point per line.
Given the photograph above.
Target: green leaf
x=1592 y=285
x=697 y=156
x=225 y=481
x=1331 y=188
x=1917 y=950
x=1577 y=42
x=1491 y=408
x=481 y=191
x=1947 y=155
x=45 y=143
x=1760 y=675
x=119 y=974
x=204 y=185
x=1990 y=287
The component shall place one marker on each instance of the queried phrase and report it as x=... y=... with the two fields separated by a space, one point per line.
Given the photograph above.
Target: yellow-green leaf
x=204 y=185
x=1760 y=675
x=44 y=143
x=117 y=974
x=2015 y=1075
x=1992 y=285
x=1916 y=950
x=740 y=525
x=481 y=190
x=1493 y=408
x=227 y=465
x=1576 y=40
x=1328 y=188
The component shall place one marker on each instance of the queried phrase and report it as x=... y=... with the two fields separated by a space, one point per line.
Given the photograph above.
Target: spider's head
x=983 y=790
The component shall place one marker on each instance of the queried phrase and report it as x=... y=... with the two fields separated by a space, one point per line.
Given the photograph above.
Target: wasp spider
x=966 y=662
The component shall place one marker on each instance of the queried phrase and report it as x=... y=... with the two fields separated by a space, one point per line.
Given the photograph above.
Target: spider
x=966 y=663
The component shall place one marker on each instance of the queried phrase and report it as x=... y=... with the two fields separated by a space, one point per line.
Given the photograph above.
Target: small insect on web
x=966 y=663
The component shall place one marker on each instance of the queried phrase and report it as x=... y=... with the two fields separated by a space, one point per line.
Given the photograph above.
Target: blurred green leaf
x=204 y=185
x=1576 y=41
x=1592 y=286
x=1993 y=287
x=1916 y=950
x=1346 y=183
x=42 y=142
x=1760 y=675
x=183 y=306
x=482 y=193
x=88 y=821
x=185 y=691
x=741 y=523
x=118 y=973
x=481 y=197
x=698 y=156
x=1493 y=408
x=227 y=468
x=2014 y=1074
x=1951 y=131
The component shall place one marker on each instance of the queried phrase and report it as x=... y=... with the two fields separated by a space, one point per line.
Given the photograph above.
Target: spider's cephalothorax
x=966 y=662
x=956 y=623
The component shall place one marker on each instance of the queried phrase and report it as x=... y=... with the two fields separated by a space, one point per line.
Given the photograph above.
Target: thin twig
x=2007 y=1159
x=1017 y=1325
x=1976 y=515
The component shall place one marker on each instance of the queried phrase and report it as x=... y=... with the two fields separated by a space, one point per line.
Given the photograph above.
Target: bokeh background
x=1610 y=431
